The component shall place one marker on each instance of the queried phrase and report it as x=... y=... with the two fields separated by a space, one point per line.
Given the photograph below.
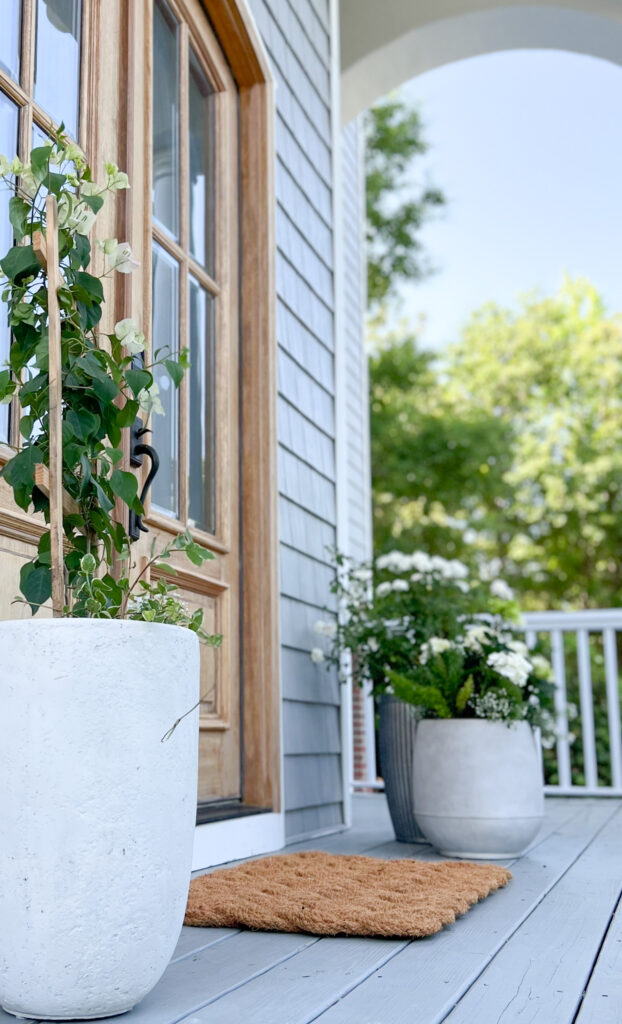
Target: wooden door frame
x=259 y=584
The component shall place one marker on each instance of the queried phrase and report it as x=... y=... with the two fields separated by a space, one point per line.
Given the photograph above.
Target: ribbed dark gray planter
x=396 y=738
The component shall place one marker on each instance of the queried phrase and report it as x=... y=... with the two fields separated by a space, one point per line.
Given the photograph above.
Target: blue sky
x=527 y=146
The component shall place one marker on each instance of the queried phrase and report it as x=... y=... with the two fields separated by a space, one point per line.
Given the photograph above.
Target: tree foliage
x=508 y=451
x=396 y=206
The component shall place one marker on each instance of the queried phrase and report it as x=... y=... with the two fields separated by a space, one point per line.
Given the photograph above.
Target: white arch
x=388 y=42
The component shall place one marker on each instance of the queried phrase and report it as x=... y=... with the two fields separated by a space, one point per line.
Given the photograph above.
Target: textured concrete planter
x=97 y=813
x=396 y=740
x=477 y=786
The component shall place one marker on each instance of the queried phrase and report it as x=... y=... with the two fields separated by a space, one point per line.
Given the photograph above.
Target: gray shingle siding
x=297 y=38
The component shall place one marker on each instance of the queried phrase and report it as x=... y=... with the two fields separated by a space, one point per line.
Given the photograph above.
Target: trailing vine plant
x=106 y=383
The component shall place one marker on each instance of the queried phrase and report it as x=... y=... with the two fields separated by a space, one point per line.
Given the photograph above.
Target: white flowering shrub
x=420 y=627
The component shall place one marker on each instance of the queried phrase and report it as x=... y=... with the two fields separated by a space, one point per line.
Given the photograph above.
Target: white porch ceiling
x=387 y=42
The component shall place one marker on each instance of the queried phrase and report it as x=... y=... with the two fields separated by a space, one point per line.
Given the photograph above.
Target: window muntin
x=201 y=408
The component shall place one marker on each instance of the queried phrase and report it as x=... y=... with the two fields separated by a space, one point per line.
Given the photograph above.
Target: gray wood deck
x=547 y=949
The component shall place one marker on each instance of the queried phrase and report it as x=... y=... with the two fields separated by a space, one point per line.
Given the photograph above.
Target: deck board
x=603 y=999
x=546 y=949
x=442 y=968
x=541 y=972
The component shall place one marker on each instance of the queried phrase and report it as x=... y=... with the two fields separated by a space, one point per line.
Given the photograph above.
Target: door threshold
x=224 y=810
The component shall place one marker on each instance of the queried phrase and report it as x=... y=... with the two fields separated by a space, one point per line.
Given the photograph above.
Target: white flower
x=73 y=153
x=127 y=332
x=383 y=589
x=390 y=691
x=122 y=259
x=400 y=585
x=519 y=647
x=149 y=400
x=548 y=742
x=395 y=561
x=373 y=644
x=542 y=667
x=500 y=589
x=81 y=219
x=115 y=178
x=496 y=707
x=361 y=575
x=435 y=645
x=476 y=635
x=317 y=655
x=328 y=629
x=27 y=181
x=511 y=666
x=90 y=188
x=16 y=165
x=572 y=711
x=534 y=700
x=5 y=166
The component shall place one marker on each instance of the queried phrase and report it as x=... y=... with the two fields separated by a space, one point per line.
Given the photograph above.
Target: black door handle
x=137 y=450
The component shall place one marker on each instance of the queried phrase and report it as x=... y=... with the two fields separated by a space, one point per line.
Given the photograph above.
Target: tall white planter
x=477 y=786
x=97 y=814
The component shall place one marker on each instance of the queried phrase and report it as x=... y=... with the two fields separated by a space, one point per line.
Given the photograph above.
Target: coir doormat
x=327 y=894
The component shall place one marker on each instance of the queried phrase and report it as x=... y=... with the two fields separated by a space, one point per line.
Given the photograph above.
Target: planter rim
x=470 y=722
x=81 y=623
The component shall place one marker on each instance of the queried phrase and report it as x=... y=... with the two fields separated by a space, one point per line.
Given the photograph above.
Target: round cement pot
x=477 y=786
x=97 y=812
x=396 y=742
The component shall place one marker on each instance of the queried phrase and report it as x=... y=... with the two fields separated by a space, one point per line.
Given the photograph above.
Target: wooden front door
x=194 y=303
x=146 y=83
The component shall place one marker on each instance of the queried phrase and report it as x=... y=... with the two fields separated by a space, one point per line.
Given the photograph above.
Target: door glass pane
x=57 y=61
x=201 y=97
x=165 y=119
x=165 y=334
x=9 y=37
x=8 y=146
x=201 y=410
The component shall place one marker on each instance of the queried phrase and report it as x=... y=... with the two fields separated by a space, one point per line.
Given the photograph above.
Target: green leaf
x=40 y=162
x=35 y=583
x=20 y=470
x=105 y=388
x=82 y=422
x=82 y=250
x=88 y=286
x=20 y=262
x=127 y=415
x=138 y=379
x=175 y=370
x=94 y=202
x=464 y=694
x=55 y=182
x=25 y=426
x=124 y=485
x=18 y=215
x=105 y=503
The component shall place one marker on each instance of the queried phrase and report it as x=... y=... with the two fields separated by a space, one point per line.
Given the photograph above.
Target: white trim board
x=218 y=842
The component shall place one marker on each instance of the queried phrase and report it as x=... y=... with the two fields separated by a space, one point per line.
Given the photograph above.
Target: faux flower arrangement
x=420 y=628
x=106 y=382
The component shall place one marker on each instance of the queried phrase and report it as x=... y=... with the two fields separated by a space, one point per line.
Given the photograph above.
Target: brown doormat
x=327 y=894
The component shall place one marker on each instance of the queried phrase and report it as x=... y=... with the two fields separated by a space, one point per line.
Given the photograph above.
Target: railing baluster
x=590 y=769
x=559 y=669
x=613 y=705
x=531 y=638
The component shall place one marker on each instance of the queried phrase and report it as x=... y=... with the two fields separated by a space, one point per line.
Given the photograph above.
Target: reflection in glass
x=164 y=334
x=9 y=38
x=165 y=118
x=8 y=144
x=57 y=61
x=201 y=411
x=201 y=97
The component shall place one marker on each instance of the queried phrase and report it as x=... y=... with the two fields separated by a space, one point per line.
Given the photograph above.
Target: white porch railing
x=596 y=647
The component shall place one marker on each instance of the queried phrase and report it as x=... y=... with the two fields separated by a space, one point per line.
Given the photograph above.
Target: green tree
x=396 y=206
x=509 y=450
